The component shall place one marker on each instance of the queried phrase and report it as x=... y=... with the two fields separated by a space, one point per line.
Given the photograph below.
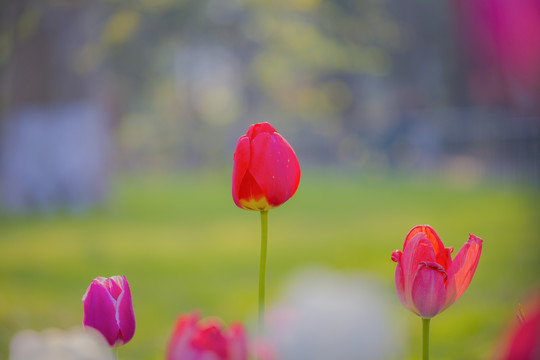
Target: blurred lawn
x=183 y=245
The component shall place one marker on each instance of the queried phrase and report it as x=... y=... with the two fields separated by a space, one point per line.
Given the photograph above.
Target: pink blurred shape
x=193 y=339
x=522 y=340
x=502 y=40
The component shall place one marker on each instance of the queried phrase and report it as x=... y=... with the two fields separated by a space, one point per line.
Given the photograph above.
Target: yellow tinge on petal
x=255 y=205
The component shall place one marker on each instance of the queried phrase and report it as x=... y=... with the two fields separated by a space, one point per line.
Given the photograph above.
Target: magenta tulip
x=266 y=172
x=108 y=308
x=208 y=340
x=522 y=340
x=427 y=280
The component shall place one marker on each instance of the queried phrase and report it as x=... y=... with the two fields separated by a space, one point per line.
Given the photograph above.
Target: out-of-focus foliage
x=358 y=83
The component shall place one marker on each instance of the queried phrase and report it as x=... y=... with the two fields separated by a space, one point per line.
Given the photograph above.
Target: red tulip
x=266 y=172
x=427 y=279
x=108 y=308
x=193 y=340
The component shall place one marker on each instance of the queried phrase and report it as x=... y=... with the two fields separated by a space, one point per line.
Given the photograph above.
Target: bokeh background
x=119 y=119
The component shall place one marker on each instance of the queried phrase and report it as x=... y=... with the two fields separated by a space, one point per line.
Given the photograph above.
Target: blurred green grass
x=183 y=245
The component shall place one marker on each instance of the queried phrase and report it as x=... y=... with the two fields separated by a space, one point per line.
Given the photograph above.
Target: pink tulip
x=108 y=308
x=266 y=172
x=427 y=279
x=522 y=340
x=195 y=340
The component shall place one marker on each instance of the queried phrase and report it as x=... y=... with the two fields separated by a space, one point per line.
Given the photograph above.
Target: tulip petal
x=462 y=268
x=179 y=345
x=126 y=315
x=418 y=249
x=251 y=196
x=274 y=167
x=442 y=254
x=259 y=128
x=431 y=235
x=100 y=311
x=237 y=342
x=293 y=166
x=444 y=258
x=209 y=339
x=240 y=165
x=398 y=277
x=114 y=285
x=428 y=290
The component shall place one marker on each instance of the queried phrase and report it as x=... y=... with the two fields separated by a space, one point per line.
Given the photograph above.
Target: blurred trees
x=56 y=108
x=356 y=83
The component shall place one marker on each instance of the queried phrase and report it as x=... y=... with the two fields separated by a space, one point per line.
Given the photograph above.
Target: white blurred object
x=329 y=315
x=55 y=344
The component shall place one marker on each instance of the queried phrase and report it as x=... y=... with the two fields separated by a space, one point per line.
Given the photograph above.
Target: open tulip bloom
x=427 y=280
x=265 y=174
x=108 y=309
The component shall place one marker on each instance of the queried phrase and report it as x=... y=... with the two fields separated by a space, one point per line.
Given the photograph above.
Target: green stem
x=116 y=352
x=425 y=339
x=262 y=267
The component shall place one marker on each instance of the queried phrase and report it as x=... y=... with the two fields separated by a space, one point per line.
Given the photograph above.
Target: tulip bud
x=108 y=308
x=194 y=340
x=427 y=280
x=266 y=172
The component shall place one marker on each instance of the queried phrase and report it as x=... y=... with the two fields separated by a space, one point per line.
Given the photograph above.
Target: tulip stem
x=262 y=267
x=425 y=339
